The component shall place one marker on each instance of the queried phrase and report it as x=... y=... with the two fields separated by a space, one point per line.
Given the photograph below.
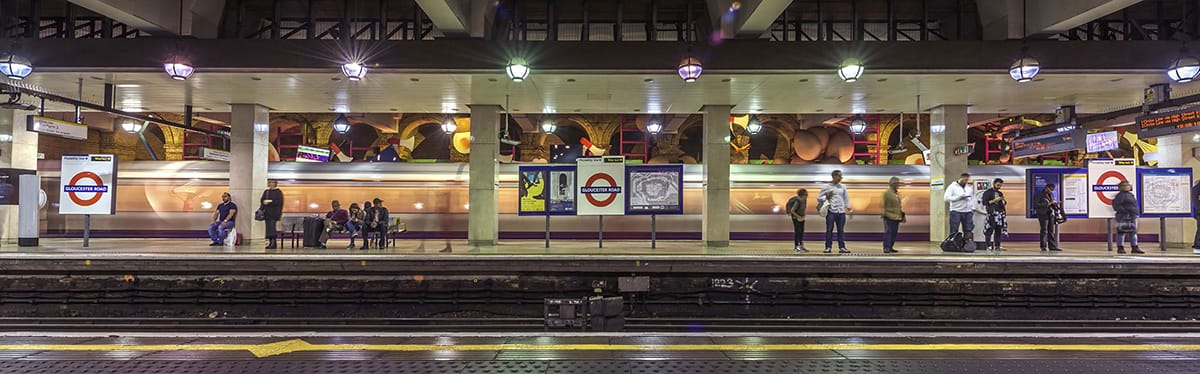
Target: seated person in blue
x=222 y=220
x=337 y=219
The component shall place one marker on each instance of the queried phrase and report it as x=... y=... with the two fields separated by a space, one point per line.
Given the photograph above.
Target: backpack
x=957 y=243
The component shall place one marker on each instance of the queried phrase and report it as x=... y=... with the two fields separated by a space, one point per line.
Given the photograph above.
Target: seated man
x=335 y=220
x=381 y=222
x=222 y=220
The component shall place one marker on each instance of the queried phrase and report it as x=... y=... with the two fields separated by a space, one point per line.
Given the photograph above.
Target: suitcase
x=957 y=243
x=312 y=231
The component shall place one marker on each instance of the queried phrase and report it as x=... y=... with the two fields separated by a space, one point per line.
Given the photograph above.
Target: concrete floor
x=563 y=247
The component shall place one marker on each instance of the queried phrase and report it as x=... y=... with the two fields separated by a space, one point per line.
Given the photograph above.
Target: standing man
x=997 y=219
x=795 y=209
x=834 y=194
x=893 y=215
x=1196 y=215
x=1044 y=207
x=222 y=220
x=962 y=207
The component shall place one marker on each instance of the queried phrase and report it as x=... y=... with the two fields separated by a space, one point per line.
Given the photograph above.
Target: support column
x=947 y=130
x=482 y=220
x=716 y=175
x=1175 y=151
x=248 y=146
x=18 y=149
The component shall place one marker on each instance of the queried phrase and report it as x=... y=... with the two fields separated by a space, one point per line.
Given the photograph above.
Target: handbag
x=260 y=214
x=1125 y=227
x=823 y=210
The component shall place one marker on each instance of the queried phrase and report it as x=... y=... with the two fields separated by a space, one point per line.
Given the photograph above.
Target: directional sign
x=601 y=185
x=88 y=184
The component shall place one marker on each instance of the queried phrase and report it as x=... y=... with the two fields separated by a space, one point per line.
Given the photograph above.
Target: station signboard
x=1165 y=192
x=600 y=183
x=546 y=190
x=54 y=127
x=1056 y=142
x=88 y=184
x=1168 y=123
x=1103 y=177
x=654 y=189
x=213 y=154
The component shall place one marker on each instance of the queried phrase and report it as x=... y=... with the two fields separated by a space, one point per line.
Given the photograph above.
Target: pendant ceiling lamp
x=1185 y=68
x=517 y=69
x=14 y=66
x=548 y=126
x=690 y=68
x=850 y=70
x=341 y=124
x=754 y=125
x=354 y=71
x=858 y=125
x=449 y=126
x=1025 y=67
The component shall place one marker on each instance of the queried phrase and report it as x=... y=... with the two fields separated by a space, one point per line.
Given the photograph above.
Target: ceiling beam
x=1009 y=19
x=749 y=19
x=161 y=17
x=459 y=18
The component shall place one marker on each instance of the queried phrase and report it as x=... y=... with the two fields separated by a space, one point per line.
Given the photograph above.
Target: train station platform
x=600 y=353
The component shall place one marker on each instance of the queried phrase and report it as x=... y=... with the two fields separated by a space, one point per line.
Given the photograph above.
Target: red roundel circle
x=1100 y=181
x=592 y=198
x=95 y=196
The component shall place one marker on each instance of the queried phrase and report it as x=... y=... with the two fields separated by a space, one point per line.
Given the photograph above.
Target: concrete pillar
x=947 y=130
x=1175 y=151
x=715 y=159
x=18 y=150
x=248 y=147
x=482 y=220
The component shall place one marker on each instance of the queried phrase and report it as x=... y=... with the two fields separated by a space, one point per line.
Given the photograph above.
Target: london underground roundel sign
x=601 y=185
x=1103 y=177
x=88 y=184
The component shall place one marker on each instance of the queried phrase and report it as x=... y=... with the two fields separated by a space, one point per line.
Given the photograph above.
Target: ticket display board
x=654 y=189
x=1103 y=177
x=1057 y=142
x=1168 y=123
x=1070 y=189
x=1165 y=192
x=546 y=190
x=88 y=184
x=600 y=182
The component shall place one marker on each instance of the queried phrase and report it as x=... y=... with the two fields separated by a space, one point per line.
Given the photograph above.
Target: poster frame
x=1164 y=171
x=630 y=169
x=1058 y=175
x=546 y=203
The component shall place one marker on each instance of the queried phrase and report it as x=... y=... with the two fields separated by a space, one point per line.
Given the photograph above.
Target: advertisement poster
x=562 y=190
x=600 y=184
x=532 y=189
x=1166 y=192
x=10 y=179
x=1038 y=180
x=656 y=189
x=88 y=184
x=1074 y=195
x=1103 y=177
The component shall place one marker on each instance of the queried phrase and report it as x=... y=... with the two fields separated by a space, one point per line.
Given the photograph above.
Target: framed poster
x=562 y=190
x=1103 y=177
x=654 y=189
x=88 y=183
x=1035 y=181
x=1074 y=195
x=546 y=190
x=1165 y=192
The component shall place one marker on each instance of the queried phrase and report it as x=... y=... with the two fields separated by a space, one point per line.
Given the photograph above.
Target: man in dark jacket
x=997 y=219
x=1043 y=207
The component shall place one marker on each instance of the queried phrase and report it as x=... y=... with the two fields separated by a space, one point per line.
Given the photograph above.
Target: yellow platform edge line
x=299 y=345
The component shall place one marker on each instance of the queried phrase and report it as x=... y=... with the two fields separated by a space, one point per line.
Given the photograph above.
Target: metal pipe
x=78 y=114
x=275 y=14
x=101 y=108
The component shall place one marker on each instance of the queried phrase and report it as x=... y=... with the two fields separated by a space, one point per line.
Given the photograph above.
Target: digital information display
x=1102 y=141
x=546 y=190
x=1046 y=144
x=654 y=189
x=1165 y=192
x=1169 y=123
x=305 y=153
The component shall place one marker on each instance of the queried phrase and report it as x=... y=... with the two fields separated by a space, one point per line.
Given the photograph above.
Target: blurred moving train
x=176 y=199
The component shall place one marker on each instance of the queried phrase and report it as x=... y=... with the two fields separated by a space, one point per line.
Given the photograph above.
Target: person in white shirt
x=962 y=205
x=835 y=195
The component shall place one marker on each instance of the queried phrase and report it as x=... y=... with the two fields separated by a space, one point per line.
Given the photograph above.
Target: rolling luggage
x=957 y=243
x=312 y=231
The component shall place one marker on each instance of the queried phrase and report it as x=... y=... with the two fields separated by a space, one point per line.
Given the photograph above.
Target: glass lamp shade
x=654 y=127
x=449 y=126
x=15 y=67
x=178 y=70
x=1024 y=68
x=131 y=126
x=548 y=126
x=517 y=70
x=858 y=125
x=850 y=70
x=690 y=69
x=342 y=124
x=1184 y=69
x=754 y=126
x=354 y=71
